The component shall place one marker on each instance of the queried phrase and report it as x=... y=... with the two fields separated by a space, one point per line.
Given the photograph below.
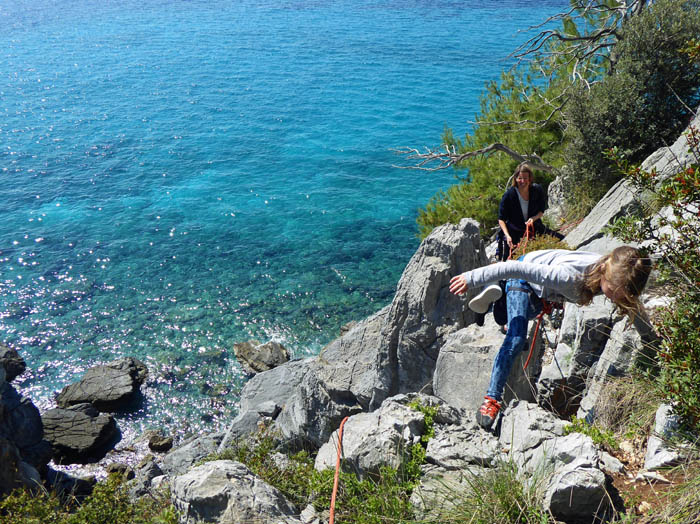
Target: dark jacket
x=509 y=211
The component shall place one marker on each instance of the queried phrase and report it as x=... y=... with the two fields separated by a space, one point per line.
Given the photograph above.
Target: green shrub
x=109 y=503
x=644 y=102
x=675 y=236
x=601 y=437
x=377 y=499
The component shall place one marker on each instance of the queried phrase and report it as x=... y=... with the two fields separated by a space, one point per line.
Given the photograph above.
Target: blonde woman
x=555 y=275
x=522 y=204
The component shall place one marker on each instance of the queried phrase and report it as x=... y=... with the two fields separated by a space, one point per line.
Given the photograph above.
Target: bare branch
x=580 y=48
x=448 y=157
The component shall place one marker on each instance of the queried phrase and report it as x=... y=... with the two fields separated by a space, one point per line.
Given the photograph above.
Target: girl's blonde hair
x=624 y=268
x=525 y=167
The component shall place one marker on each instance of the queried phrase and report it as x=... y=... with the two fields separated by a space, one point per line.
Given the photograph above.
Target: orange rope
x=547 y=308
x=331 y=518
x=529 y=233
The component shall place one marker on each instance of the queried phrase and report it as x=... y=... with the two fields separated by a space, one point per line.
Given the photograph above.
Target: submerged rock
x=255 y=357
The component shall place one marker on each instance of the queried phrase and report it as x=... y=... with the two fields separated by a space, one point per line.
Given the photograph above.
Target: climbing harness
x=331 y=517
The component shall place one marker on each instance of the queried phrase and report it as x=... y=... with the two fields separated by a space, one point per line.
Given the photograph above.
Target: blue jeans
x=520 y=310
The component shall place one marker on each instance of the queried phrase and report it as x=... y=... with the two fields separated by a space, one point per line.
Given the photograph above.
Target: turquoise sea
x=181 y=175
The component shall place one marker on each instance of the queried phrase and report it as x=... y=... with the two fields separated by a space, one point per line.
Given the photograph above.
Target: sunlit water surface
x=178 y=176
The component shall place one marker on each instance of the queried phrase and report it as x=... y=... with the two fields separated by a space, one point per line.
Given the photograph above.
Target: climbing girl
x=553 y=275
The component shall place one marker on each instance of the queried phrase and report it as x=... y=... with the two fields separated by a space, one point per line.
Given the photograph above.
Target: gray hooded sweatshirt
x=554 y=274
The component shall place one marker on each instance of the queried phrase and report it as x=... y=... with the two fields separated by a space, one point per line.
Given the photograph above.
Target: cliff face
x=426 y=342
x=422 y=348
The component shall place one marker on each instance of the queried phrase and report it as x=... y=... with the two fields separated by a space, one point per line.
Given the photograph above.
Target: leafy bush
x=538 y=243
x=601 y=437
x=380 y=498
x=643 y=103
x=673 y=233
x=109 y=503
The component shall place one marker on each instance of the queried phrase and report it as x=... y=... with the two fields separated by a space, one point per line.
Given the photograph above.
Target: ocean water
x=178 y=176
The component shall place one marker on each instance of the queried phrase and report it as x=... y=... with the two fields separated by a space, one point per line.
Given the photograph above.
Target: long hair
x=523 y=167
x=624 y=268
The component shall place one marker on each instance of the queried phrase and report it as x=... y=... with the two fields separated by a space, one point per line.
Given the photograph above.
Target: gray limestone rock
x=583 y=335
x=526 y=426
x=463 y=369
x=555 y=453
x=424 y=311
x=629 y=345
x=348 y=366
x=227 y=491
x=79 y=434
x=660 y=453
x=577 y=493
x=12 y=363
x=145 y=472
x=255 y=357
x=312 y=412
x=264 y=396
x=110 y=387
x=372 y=440
x=618 y=201
x=459 y=447
x=191 y=451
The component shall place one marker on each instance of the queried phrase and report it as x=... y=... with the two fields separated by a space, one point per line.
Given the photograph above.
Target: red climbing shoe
x=488 y=412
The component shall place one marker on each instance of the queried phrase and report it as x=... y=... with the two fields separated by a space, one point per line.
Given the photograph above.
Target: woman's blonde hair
x=522 y=167
x=624 y=268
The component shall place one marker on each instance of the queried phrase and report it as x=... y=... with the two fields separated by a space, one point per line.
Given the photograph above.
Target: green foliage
x=499 y=496
x=377 y=500
x=538 y=243
x=380 y=498
x=643 y=103
x=673 y=233
x=292 y=478
x=109 y=503
x=599 y=436
x=429 y=412
x=518 y=96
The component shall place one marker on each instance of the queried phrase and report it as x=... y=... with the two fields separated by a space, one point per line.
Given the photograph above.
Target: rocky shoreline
x=424 y=347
